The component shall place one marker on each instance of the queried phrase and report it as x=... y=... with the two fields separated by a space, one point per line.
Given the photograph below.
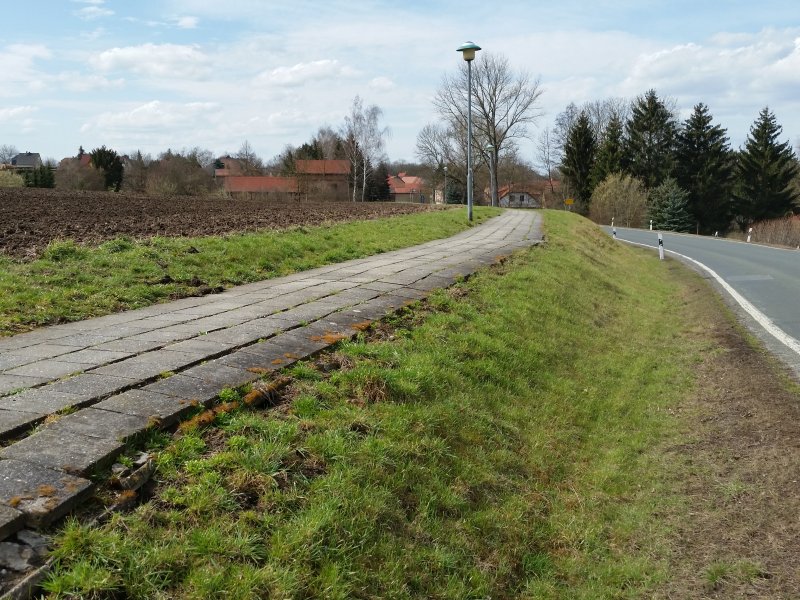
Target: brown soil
x=31 y=218
x=740 y=534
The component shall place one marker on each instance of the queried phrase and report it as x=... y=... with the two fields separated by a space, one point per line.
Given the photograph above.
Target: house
x=313 y=180
x=230 y=167
x=26 y=161
x=265 y=186
x=407 y=188
x=323 y=179
x=534 y=194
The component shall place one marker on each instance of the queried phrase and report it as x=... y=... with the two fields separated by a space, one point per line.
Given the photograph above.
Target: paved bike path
x=125 y=373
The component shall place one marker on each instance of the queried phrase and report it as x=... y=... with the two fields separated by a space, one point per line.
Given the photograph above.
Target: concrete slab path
x=124 y=373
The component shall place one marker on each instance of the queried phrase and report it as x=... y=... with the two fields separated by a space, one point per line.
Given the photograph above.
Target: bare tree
x=506 y=103
x=7 y=152
x=249 y=161
x=363 y=141
x=546 y=156
x=329 y=142
x=600 y=113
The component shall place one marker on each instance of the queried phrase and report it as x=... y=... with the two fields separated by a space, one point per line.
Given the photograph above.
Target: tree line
x=638 y=162
x=360 y=140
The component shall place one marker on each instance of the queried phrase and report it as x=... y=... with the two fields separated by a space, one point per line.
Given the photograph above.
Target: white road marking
x=762 y=319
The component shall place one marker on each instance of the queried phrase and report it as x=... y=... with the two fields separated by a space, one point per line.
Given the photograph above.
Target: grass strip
x=70 y=282
x=499 y=443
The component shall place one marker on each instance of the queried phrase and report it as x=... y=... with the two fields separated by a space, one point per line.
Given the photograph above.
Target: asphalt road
x=766 y=277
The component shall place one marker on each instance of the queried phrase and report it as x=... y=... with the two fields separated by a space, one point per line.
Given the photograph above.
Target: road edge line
x=762 y=319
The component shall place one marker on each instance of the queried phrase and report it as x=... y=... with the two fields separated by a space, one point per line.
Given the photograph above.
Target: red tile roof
x=323 y=167
x=405 y=184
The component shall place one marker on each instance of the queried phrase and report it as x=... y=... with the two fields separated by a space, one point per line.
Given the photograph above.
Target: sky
x=155 y=74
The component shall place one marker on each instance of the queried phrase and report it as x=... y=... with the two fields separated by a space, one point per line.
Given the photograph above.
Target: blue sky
x=152 y=75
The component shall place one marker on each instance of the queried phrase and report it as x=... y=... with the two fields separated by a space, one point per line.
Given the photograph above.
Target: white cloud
x=15 y=113
x=155 y=60
x=90 y=13
x=20 y=74
x=382 y=84
x=302 y=73
x=187 y=22
x=152 y=116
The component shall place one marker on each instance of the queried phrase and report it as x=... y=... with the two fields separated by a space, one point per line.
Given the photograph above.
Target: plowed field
x=31 y=218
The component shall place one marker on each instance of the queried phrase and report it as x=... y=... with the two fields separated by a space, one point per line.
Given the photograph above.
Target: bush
x=669 y=207
x=621 y=197
x=9 y=179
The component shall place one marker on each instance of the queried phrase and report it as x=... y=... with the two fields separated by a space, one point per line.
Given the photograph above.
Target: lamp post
x=490 y=150
x=468 y=52
x=444 y=198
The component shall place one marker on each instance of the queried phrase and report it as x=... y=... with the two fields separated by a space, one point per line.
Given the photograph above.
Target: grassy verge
x=498 y=444
x=70 y=282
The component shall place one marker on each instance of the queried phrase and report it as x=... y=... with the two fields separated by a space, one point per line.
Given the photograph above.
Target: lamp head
x=468 y=50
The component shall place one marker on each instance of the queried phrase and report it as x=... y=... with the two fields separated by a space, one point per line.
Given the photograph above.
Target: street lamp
x=490 y=150
x=444 y=198
x=468 y=52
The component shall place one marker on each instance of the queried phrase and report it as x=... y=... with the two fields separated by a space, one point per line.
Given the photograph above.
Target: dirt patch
x=32 y=218
x=739 y=536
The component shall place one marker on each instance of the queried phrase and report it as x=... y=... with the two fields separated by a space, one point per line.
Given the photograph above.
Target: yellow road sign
x=569 y=201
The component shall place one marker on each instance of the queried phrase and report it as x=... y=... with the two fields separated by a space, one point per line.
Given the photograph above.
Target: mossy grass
x=502 y=445
x=70 y=282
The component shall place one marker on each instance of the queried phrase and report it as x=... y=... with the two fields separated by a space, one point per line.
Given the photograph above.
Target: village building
x=408 y=188
x=26 y=161
x=534 y=194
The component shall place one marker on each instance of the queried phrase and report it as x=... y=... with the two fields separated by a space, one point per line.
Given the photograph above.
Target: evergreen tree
x=380 y=176
x=579 y=158
x=109 y=162
x=650 y=140
x=704 y=168
x=765 y=170
x=669 y=207
x=610 y=153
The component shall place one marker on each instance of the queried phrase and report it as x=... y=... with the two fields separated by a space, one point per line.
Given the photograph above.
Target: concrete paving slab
x=15 y=383
x=236 y=336
x=80 y=341
x=90 y=386
x=299 y=343
x=201 y=345
x=9 y=361
x=251 y=362
x=13 y=422
x=42 y=495
x=11 y=521
x=39 y=400
x=130 y=345
x=214 y=372
x=95 y=357
x=103 y=424
x=40 y=351
x=65 y=451
x=185 y=388
x=168 y=410
x=49 y=369
x=165 y=335
x=148 y=365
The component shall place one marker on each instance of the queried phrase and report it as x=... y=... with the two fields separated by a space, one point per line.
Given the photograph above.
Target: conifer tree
x=650 y=140
x=704 y=168
x=765 y=170
x=579 y=157
x=669 y=207
x=610 y=153
x=109 y=162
